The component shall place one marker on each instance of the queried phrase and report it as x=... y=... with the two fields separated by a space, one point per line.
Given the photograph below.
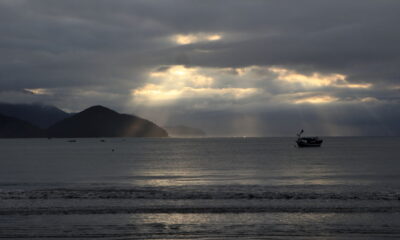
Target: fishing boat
x=308 y=141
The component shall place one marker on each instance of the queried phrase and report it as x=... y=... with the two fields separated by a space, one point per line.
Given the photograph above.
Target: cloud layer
x=233 y=68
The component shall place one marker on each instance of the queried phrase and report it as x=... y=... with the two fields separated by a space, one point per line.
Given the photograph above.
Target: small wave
x=176 y=193
x=169 y=209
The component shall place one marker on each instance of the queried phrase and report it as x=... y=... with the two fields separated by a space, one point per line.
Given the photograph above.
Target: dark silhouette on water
x=308 y=141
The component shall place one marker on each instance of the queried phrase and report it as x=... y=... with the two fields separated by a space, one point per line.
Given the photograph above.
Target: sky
x=231 y=68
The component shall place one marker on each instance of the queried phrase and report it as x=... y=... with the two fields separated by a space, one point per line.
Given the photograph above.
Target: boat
x=308 y=141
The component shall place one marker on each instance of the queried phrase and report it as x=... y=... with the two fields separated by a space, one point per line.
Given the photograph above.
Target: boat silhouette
x=308 y=141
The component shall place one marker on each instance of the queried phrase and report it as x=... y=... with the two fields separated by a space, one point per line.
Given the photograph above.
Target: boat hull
x=301 y=144
x=309 y=142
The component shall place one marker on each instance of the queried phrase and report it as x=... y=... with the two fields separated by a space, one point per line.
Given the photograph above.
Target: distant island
x=184 y=131
x=96 y=121
x=99 y=121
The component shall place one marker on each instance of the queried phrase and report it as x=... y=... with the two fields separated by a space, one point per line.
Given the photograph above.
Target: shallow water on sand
x=212 y=188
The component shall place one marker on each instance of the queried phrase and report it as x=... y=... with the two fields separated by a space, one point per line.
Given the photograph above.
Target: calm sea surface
x=212 y=188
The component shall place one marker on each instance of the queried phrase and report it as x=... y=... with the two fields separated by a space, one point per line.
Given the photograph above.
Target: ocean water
x=211 y=188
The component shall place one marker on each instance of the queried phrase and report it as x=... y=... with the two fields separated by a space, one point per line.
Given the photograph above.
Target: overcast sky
x=254 y=68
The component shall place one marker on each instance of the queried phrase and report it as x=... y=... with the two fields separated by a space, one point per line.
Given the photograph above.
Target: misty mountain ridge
x=96 y=121
x=37 y=114
x=11 y=127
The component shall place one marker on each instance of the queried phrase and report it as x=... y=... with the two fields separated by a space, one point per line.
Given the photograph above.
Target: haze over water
x=211 y=188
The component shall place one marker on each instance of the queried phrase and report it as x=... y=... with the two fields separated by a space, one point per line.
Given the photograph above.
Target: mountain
x=39 y=115
x=11 y=127
x=185 y=131
x=98 y=121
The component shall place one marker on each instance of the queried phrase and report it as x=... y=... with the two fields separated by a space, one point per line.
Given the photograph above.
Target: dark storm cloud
x=59 y=43
x=98 y=51
x=356 y=38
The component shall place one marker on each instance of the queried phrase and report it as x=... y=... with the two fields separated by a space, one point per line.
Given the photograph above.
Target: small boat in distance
x=308 y=141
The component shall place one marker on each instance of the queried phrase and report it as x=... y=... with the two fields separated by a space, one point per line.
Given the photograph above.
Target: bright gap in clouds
x=38 y=91
x=316 y=80
x=253 y=84
x=316 y=100
x=184 y=39
x=180 y=82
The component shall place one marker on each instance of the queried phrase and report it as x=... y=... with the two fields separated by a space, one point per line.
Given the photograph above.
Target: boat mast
x=299 y=134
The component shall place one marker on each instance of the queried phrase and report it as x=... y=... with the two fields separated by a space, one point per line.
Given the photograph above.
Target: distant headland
x=96 y=121
x=184 y=131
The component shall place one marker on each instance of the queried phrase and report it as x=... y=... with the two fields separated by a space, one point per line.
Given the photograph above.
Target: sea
x=199 y=188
